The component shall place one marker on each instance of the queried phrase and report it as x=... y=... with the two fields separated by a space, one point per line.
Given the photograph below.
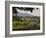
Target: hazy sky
x=35 y=12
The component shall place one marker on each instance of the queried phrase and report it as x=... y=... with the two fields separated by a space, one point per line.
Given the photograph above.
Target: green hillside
x=25 y=23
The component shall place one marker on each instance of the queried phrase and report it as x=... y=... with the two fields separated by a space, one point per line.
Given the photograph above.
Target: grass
x=25 y=23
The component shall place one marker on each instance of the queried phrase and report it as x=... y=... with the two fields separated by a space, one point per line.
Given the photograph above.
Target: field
x=25 y=23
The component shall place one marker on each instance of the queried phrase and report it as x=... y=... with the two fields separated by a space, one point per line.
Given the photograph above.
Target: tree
x=14 y=10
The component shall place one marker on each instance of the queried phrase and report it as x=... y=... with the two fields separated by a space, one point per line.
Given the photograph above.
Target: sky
x=35 y=12
x=22 y=12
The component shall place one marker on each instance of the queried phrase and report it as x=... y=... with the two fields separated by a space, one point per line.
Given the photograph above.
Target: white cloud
x=36 y=12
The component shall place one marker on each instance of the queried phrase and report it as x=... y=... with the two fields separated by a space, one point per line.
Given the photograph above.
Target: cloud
x=36 y=12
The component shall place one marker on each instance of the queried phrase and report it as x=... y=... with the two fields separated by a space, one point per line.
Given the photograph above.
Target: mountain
x=24 y=14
